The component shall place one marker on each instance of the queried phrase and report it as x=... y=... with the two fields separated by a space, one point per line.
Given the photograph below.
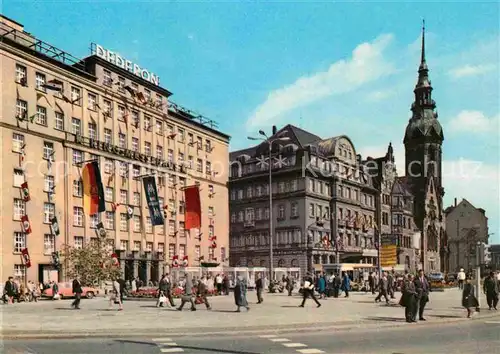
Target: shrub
x=153 y=292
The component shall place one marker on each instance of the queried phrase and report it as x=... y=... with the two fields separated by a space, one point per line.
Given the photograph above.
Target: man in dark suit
x=390 y=286
x=408 y=299
x=422 y=287
x=491 y=288
x=77 y=290
x=258 y=287
x=383 y=288
x=201 y=293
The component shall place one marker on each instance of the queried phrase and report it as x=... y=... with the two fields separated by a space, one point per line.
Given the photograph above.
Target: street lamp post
x=270 y=142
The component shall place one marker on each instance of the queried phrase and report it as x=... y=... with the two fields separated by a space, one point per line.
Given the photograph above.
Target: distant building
x=304 y=195
x=495 y=257
x=465 y=226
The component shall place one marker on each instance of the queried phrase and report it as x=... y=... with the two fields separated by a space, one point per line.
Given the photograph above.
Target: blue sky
x=339 y=68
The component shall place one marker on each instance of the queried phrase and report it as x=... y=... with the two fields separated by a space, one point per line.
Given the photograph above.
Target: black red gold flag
x=93 y=191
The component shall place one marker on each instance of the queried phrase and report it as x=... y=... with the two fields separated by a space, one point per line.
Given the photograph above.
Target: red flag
x=141 y=98
x=26 y=257
x=26 y=192
x=185 y=261
x=114 y=259
x=26 y=224
x=193 y=208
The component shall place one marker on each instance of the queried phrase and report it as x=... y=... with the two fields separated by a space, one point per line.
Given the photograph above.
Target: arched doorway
x=281 y=263
x=263 y=263
x=249 y=264
x=295 y=263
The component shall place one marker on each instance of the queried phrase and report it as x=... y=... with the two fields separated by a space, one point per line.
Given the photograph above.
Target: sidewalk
x=277 y=312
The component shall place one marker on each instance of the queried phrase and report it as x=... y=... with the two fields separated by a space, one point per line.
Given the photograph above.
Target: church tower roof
x=424 y=122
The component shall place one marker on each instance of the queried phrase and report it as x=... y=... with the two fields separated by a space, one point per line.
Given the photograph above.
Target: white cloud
x=471 y=70
x=474 y=121
x=379 y=95
x=366 y=65
x=190 y=36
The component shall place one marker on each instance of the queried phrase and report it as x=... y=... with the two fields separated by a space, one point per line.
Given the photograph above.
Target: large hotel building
x=57 y=112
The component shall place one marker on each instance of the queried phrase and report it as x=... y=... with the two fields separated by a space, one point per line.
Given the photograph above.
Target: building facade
x=495 y=257
x=423 y=169
x=466 y=225
x=59 y=112
x=311 y=178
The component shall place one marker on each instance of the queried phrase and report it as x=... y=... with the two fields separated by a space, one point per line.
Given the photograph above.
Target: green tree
x=92 y=263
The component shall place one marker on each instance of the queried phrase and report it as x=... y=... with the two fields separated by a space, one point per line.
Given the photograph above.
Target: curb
x=182 y=332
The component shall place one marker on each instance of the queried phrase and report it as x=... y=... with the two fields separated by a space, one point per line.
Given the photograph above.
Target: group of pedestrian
x=415 y=296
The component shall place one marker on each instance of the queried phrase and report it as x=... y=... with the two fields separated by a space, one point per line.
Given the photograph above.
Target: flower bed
x=153 y=293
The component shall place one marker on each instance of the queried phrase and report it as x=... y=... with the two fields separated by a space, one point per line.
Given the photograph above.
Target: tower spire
x=422 y=57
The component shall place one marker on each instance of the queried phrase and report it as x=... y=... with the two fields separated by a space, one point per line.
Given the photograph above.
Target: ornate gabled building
x=423 y=141
x=306 y=194
x=403 y=226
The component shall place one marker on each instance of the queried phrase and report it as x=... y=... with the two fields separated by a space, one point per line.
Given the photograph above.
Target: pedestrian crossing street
x=287 y=343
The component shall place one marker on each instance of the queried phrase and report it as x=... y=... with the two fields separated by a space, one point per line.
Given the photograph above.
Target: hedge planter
x=152 y=293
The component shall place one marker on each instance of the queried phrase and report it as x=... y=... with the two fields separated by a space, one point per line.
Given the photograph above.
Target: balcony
x=352 y=249
x=249 y=223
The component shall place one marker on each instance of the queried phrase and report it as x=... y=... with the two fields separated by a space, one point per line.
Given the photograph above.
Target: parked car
x=451 y=277
x=436 y=277
x=66 y=291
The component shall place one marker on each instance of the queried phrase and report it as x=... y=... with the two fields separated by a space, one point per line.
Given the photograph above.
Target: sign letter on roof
x=118 y=60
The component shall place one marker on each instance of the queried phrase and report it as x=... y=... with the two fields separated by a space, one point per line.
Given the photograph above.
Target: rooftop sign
x=116 y=59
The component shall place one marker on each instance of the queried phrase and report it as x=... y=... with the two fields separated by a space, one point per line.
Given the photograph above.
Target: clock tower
x=423 y=166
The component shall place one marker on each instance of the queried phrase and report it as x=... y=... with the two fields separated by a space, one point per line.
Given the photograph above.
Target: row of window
x=49 y=246
x=78 y=156
x=263 y=190
x=262 y=239
x=109 y=220
x=107 y=109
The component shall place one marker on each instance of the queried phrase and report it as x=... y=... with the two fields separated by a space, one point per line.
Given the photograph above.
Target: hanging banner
x=55 y=226
x=192 y=215
x=130 y=212
x=26 y=257
x=388 y=251
x=25 y=191
x=152 y=200
x=185 y=261
x=25 y=221
x=93 y=191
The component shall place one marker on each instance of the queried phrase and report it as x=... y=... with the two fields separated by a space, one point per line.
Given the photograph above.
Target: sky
x=329 y=68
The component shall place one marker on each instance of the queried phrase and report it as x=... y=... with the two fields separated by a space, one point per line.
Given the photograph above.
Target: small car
x=66 y=291
x=436 y=277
